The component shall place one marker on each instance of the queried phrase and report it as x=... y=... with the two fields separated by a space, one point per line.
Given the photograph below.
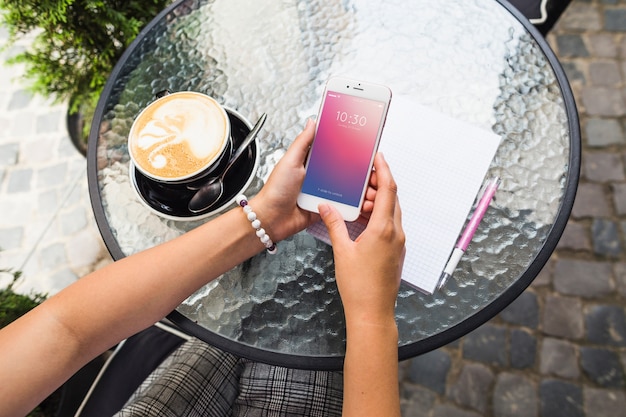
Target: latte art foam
x=179 y=135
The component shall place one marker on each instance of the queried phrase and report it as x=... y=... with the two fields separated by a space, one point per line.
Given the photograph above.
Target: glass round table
x=478 y=61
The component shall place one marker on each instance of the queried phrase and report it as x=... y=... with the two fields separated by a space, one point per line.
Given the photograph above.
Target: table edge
x=404 y=351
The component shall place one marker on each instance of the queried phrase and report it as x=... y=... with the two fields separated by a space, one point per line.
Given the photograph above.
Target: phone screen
x=344 y=143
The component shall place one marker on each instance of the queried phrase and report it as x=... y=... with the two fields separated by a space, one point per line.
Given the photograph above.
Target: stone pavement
x=558 y=350
x=47 y=229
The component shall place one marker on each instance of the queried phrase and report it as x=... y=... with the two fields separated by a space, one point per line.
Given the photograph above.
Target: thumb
x=337 y=229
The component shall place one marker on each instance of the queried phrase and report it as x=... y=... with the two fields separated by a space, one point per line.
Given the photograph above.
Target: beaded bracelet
x=242 y=200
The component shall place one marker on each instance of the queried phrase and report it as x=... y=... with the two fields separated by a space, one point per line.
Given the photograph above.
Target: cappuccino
x=179 y=136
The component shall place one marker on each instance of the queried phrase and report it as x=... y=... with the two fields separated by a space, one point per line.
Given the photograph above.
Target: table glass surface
x=469 y=59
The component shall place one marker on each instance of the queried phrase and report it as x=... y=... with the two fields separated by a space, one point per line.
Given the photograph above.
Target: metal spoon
x=212 y=190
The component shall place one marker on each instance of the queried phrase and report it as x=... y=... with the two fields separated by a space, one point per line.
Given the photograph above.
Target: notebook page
x=439 y=164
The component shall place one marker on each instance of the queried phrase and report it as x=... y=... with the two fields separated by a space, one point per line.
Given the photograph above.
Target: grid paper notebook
x=439 y=164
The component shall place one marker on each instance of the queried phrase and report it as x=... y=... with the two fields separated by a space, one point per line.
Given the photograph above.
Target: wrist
x=373 y=320
x=385 y=329
x=258 y=226
x=270 y=218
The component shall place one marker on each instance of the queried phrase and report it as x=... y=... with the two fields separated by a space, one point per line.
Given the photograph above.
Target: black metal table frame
x=407 y=351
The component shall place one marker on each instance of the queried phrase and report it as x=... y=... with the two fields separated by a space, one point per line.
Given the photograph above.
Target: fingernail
x=309 y=123
x=323 y=209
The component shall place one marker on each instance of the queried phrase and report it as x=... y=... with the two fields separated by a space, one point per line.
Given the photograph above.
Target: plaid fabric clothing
x=201 y=380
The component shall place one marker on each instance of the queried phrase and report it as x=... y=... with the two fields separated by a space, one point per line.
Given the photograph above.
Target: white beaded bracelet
x=242 y=200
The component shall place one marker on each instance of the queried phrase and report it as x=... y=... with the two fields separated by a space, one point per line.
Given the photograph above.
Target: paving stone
x=4 y=33
x=9 y=153
x=583 y=278
x=523 y=349
x=606 y=325
x=603 y=101
x=48 y=199
x=559 y=358
x=22 y=125
x=545 y=275
x=451 y=411
x=603 y=45
x=514 y=396
x=560 y=399
x=590 y=202
x=414 y=400
x=48 y=122
x=19 y=181
x=11 y=238
x=455 y=344
x=472 y=387
x=615 y=20
x=66 y=147
x=72 y=221
x=17 y=210
x=83 y=249
x=604 y=73
x=75 y=197
x=581 y=17
x=486 y=344
x=619 y=198
x=58 y=281
x=52 y=176
x=571 y=46
x=603 y=366
x=606 y=238
x=431 y=370
x=37 y=152
x=575 y=237
x=604 y=132
x=619 y=269
x=19 y=100
x=524 y=311
x=603 y=167
x=4 y=98
x=573 y=72
x=604 y=403
x=563 y=317
x=52 y=255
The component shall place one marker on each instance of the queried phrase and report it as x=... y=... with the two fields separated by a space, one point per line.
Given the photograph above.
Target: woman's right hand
x=368 y=269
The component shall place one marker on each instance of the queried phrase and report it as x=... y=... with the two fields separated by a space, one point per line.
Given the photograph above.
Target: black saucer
x=171 y=200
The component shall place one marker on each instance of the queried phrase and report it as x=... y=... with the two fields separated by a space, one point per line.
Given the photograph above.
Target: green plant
x=14 y=305
x=77 y=42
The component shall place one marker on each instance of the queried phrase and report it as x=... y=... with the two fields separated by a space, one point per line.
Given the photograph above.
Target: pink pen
x=468 y=233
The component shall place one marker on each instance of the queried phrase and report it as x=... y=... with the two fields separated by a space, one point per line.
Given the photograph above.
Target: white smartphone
x=349 y=127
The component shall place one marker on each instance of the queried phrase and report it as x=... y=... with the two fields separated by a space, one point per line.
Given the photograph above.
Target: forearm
x=48 y=345
x=136 y=291
x=371 y=371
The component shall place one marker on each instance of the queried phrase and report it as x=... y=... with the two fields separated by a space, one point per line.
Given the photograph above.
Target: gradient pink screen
x=343 y=146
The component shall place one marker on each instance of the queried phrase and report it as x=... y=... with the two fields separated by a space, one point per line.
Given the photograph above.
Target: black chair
x=543 y=14
x=101 y=388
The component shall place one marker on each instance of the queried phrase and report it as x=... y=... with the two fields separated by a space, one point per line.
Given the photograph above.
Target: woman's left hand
x=275 y=204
